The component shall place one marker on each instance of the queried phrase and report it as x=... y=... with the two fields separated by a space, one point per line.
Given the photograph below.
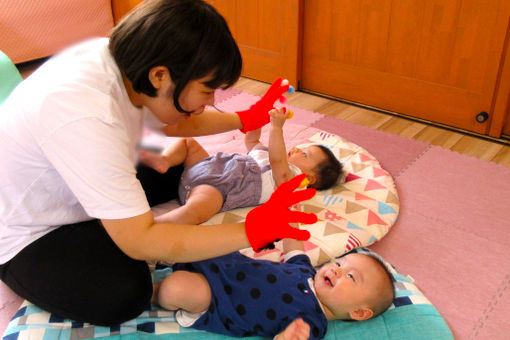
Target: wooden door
x=268 y=34
x=437 y=60
x=502 y=101
x=122 y=7
x=506 y=129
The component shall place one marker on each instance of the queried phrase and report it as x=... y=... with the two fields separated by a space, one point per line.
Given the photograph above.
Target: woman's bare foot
x=154 y=160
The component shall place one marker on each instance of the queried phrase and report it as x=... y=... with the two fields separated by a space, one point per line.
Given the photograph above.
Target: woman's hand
x=270 y=221
x=258 y=114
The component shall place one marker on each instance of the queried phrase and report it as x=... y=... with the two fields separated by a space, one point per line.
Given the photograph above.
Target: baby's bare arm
x=251 y=139
x=277 y=151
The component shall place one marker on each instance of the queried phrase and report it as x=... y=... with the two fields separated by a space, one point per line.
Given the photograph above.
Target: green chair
x=9 y=77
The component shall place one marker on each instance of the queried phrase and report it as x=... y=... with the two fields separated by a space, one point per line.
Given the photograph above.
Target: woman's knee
x=125 y=299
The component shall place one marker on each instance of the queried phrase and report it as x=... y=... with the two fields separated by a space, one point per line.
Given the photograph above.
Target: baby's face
x=350 y=282
x=307 y=158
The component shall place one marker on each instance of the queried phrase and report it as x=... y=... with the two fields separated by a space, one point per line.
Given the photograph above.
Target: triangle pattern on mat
x=344 y=153
x=308 y=208
x=231 y=218
x=307 y=245
x=340 y=188
x=361 y=197
x=385 y=209
x=351 y=225
x=332 y=229
x=379 y=172
x=374 y=219
x=323 y=257
x=357 y=167
x=365 y=158
x=351 y=207
x=391 y=198
x=351 y=177
x=373 y=185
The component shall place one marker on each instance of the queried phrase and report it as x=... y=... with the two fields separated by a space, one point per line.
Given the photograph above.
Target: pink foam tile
x=228 y=142
x=233 y=141
x=460 y=191
x=244 y=100
x=495 y=322
x=222 y=95
x=392 y=151
x=302 y=116
x=239 y=102
x=458 y=271
x=9 y=304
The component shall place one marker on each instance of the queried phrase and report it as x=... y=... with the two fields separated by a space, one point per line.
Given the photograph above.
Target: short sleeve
x=93 y=159
x=300 y=259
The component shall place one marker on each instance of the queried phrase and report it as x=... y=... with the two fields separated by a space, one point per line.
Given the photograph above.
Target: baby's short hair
x=387 y=299
x=327 y=171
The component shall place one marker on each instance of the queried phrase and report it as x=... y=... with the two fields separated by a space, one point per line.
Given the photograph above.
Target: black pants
x=78 y=272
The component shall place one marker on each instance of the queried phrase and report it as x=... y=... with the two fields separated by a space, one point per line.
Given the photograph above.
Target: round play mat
x=358 y=211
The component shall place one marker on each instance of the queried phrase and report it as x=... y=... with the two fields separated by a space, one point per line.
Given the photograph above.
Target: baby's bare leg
x=185 y=290
x=203 y=202
x=195 y=153
x=183 y=150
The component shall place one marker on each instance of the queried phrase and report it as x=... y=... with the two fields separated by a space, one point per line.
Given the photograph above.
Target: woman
x=76 y=226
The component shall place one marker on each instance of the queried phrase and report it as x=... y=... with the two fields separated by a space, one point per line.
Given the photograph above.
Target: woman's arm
x=207 y=123
x=142 y=239
x=212 y=122
x=252 y=139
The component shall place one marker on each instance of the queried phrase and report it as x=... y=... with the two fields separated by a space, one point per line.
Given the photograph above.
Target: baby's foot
x=154 y=160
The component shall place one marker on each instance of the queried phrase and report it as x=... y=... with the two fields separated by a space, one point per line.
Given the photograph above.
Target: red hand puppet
x=258 y=114
x=270 y=221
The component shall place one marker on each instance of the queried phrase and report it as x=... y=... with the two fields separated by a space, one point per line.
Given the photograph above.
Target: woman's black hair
x=189 y=37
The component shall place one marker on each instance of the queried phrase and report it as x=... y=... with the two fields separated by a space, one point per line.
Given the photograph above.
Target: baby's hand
x=279 y=116
x=296 y=330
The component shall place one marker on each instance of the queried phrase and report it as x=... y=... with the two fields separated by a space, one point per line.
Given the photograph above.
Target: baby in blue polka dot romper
x=239 y=296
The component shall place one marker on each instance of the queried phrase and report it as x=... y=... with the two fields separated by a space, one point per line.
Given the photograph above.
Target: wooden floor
x=452 y=140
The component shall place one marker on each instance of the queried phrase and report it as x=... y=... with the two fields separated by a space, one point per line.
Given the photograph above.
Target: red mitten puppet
x=257 y=115
x=270 y=221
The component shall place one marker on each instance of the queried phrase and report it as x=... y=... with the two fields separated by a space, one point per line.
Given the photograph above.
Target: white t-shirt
x=68 y=137
x=261 y=155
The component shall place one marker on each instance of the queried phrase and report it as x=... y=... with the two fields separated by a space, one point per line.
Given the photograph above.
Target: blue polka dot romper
x=258 y=297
